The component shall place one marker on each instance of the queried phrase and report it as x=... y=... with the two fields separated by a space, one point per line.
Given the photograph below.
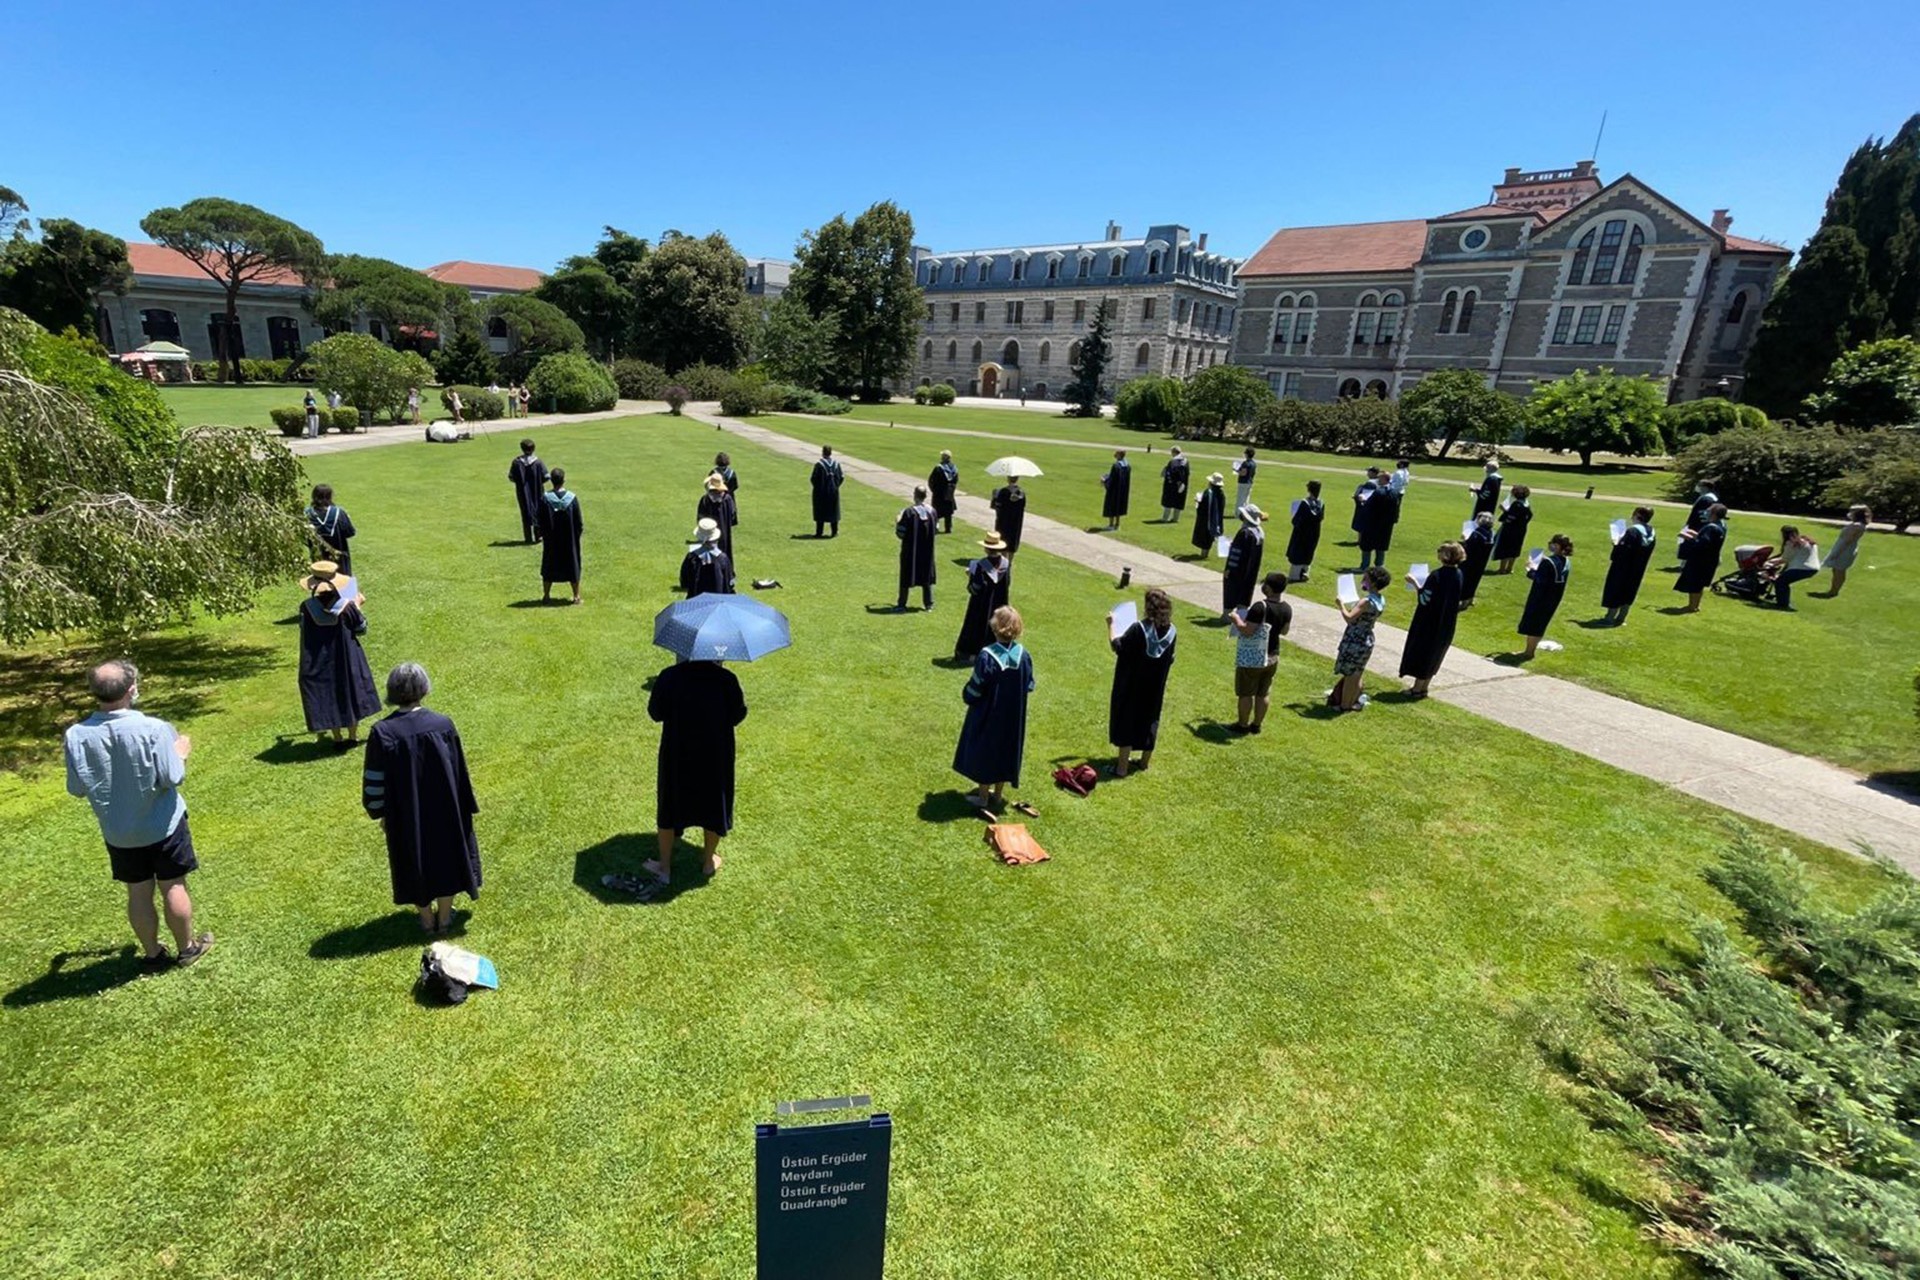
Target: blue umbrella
x=720 y=628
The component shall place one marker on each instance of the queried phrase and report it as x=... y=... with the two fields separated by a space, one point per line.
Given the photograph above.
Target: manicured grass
x=1266 y=1012
x=1833 y=679
x=242 y=406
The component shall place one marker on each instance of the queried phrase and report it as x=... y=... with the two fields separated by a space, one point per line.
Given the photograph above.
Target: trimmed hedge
x=292 y=421
x=1369 y=426
x=749 y=392
x=569 y=382
x=940 y=393
x=639 y=379
x=477 y=404
x=703 y=381
x=1793 y=470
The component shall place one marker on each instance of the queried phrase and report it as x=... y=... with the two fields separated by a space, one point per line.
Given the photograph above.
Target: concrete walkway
x=374 y=437
x=1808 y=797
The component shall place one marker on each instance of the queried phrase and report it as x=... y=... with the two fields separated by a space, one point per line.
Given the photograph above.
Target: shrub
x=205 y=370
x=639 y=379
x=1220 y=397
x=703 y=381
x=940 y=393
x=1151 y=403
x=1877 y=384
x=801 y=400
x=130 y=407
x=1891 y=488
x=477 y=404
x=1602 y=412
x=675 y=395
x=343 y=418
x=1782 y=469
x=922 y=394
x=265 y=370
x=292 y=421
x=1682 y=424
x=572 y=383
x=747 y=393
x=368 y=372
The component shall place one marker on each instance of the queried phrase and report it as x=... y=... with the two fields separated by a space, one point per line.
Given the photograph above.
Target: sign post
x=820 y=1195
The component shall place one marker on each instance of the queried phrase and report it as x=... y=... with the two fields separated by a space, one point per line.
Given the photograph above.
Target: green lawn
x=1833 y=679
x=248 y=405
x=1266 y=1013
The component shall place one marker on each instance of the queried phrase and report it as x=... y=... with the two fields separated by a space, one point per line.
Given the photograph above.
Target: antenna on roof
x=1595 y=153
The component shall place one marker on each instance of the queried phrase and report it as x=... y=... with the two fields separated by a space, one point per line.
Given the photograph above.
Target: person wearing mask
x=1244 y=554
x=1700 y=556
x=332 y=529
x=1256 y=651
x=416 y=786
x=1173 y=487
x=716 y=504
x=336 y=684
x=1549 y=587
x=1478 y=545
x=1209 y=516
x=1356 y=642
x=706 y=569
x=1486 y=494
x=989 y=582
x=1436 y=612
x=1009 y=505
x=1514 y=519
x=1627 y=566
x=943 y=484
x=697 y=705
x=1243 y=470
x=1308 y=515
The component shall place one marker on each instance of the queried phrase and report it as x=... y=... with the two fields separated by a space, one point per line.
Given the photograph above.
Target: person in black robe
x=1703 y=503
x=1700 y=557
x=943 y=482
x=1173 y=487
x=1479 y=546
x=1378 y=514
x=1010 y=512
x=1435 y=614
x=1549 y=587
x=415 y=785
x=528 y=475
x=915 y=528
x=336 y=684
x=1361 y=495
x=1143 y=659
x=1308 y=515
x=1513 y=520
x=332 y=529
x=1209 y=515
x=1118 y=483
x=826 y=480
x=1627 y=566
x=560 y=530
x=989 y=582
x=993 y=737
x=1486 y=494
x=723 y=467
x=717 y=505
x=1243 y=561
x=697 y=705
x=706 y=569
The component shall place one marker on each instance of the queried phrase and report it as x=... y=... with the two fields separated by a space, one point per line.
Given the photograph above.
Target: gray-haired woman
x=416 y=785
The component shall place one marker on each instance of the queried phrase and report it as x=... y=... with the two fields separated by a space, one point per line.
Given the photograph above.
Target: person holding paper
x=1143 y=658
x=415 y=785
x=1308 y=514
x=1486 y=494
x=1009 y=513
x=1703 y=501
x=1846 y=547
x=1356 y=642
x=1549 y=574
x=1435 y=615
x=336 y=684
x=1256 y=653
x=332 y=529
x=1243 y=561
x=1209 y=515
x=993 y=738
x=1700 y=556
x=1627 y=566
x=560 y=530
x=717 y=504
x=1173 y=487
x=1515 y=516
x=1361 y=496
x=1118 y=483
x=826 y=479
x=706 y=569
x=1244 y=470
x=989 y=579
x=528 y=476
x=1478 y=544
x=915 y=528
x=1379 y=512
x=943 y=482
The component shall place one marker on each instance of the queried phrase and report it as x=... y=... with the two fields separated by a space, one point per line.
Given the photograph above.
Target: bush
x=639 y=379
x=1451 y=404
x=675 y=396
x=940 y=393
x=1221 y=397
x=1877 y=384
x=265 y=370
x=1596 y=412
x=130 y=407
x=1369 y=426
x=572 y=383
x=747 y=393
x=1682 y=424
x=293 y=421
x=205 y=370
x=1784 y=469
x=703 y=381
x=343 y=418
x=477 y=404
x=922 y=394
x=1892 y=489
x=801 y=400
x=1151 y=403
x=368 y=372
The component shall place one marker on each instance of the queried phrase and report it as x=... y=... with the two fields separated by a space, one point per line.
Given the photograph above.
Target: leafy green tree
x=1449 y=403
x=1877 y=384
x=1149 y=403
x=13 y=214
x=1219 y=396
x=1591 y=413
x=538 y=329
x=795 y=345
x=859 y=275
x=1088 y=365
x=1815 y=315
x=596 y=301
x=397 y=296
x=236 y=244
x=690 y=303
x=367 y=373
x=1890 y=488
x=53 y=279
x=465 y=360
x=131 y=408
x=571 y=383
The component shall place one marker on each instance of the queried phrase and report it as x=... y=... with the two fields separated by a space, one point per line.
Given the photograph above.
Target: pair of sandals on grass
x=985 y=804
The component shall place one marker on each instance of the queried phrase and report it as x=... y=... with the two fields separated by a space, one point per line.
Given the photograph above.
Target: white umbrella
x=1013 y=467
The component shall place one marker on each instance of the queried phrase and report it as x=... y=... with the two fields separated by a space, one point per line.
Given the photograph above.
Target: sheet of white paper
x=1534 y=557
x=1619 y=529
x=1345 y=590
x=1225 y=544
x=349 y=588
x=1125 y=614
x=1466 y=528
x=1294 y=507
x=1418 y=573
x=1505 y=503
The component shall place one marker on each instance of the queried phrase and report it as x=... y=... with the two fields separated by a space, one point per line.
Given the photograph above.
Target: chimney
x=1113 y=231
x=1202 y=246
x=1513 y=176
x=1722 y=219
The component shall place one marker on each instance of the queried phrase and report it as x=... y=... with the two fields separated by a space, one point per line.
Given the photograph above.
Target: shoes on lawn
x=194 y=950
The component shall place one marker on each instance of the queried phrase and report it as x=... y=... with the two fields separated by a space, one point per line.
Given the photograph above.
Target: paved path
x=1808 y=797
x=374 y=437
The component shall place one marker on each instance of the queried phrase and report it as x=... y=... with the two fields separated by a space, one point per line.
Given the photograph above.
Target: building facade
x=1557 y=272
x=767 y=278
x=1007 y=322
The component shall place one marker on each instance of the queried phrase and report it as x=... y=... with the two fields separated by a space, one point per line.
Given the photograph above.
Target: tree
x=538 y=329
x=236 y=244
x=795 y=345
x=1220 y=395
x=1877 y=384
x=93 y=536
x=588 y=293
x=1591 y=413
x=860 y=276
x=1449 y=403
x=13 y=214
x=1088 y=364
x=367 y=373
x=53 y=279
x=465 y=361
x=398 y=297
x=1813 y=318
x=689 y=300
x=1149 y=403
x=131 y=408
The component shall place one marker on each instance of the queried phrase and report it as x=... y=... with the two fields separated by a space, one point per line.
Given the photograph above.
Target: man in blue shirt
x=129 y=767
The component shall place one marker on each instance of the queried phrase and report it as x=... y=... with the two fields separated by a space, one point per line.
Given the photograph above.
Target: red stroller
x=1749 y=579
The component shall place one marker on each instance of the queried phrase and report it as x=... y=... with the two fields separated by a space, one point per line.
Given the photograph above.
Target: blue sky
x=511 y=132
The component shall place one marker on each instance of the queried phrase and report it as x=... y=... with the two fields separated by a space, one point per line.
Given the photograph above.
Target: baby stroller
x=1749 y=579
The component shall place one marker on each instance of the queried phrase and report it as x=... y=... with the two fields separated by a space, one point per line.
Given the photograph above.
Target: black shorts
x=168 y=859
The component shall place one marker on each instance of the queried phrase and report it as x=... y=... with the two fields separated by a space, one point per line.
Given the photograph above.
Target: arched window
x=103 y=327
x=1053 y=268
x=1738 y=311
x=1039 y=391
x=1467 y=299
x=1117 y=265
x=976 y=353
x=496 y=327
x=160 y=325
x=985 y=270
x=1141 y=355
x=953 y=350
x=1046 y=352
x=1073 y=354
x=222 y=336
x=1153 y=263
x=1582 y=252
x=1010 y=354
x=1608 y=254
x=1019 y=268
x=1630 y=264
x=1366 y=319
x=1377 y=389
x=1086 y=266
x=933 y=273
x=926 y=350
x=1449 y=308
x=1350 y=389
x=1389 y=318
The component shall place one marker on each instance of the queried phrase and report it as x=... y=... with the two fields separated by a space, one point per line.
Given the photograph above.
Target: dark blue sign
x=821 y=1197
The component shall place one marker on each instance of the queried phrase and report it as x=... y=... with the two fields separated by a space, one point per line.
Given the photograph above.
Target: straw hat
x=994 y=542
x=1251 y=514
x=716 y=483
x=708 y=531
x=321 y=574
x=1216 y=478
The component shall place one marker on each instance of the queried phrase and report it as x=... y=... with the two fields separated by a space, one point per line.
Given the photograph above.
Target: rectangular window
x=1180 y=311
x=1019 y=268
x=1019 y=313
x=1589 y=327
x=1616 y=316
x=1283 y=331
x=979 y=313
x=1046 y=312
x=1363 y=328
x=1146 y=309
x=1079 y=310
x=1290 y=385
x=953 y=313
x=1563 y=325
x=929 y=313
x=1053 y=268
x=1086 y=267
x=1389 y=325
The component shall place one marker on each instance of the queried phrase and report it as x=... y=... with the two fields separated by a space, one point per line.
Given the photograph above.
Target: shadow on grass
x=1212 y=731
x=291 y=620
x=512 y=542
x=1595 y=624
x=112 y=967
x=622 y=855
x=293 y=749
x=893 y=608
x=949 y=806
x=953 y=663
x=536 y=602
x=393 y=931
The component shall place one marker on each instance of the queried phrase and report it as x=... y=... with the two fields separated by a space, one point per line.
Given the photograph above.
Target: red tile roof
x=1360 y=246
x=1488 y=211
x=486 y=275
x=1740 y=244
x=158 y=260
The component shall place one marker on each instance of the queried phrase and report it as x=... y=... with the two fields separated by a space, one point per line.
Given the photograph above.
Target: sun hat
x=994 y=542
x=1216 y=478
x=707 y=531
x=320 y=574
x=716 y=482
x=1251 y=514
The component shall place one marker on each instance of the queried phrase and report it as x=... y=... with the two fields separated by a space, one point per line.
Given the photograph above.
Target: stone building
x=1006 y=322
x=1557 y=272
x=767 y=278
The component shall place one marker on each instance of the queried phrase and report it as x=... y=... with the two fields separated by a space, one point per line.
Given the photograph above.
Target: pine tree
x=1814 y=316
x=1089 y=365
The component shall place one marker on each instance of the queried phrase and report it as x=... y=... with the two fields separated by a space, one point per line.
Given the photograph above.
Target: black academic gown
x=1119 y=487
x=942 y=483
x=719 y=508
x=1513 y=524
x=336 y=684
x=1173 y=484
x=1010 y=513
x=827 y=479
x=993 y=737
x=1697 y=514
x=1487 y=496
x=1431 y=631
x=1378 y=514
x=1209 y=518
x=915 y=529
x=1305 y=538
x=416 y=757
x=332 y=535
x=1141 y=666
x=1243 y=568
x=528 y=476
x=1361 y=497
x=706 y=571
x=1543 y=598
x=1700 y=558
x=1479 y=548
x=560 y=530
x=1627 y=567
x=697 y=705
x=733 y=481
x=984 y=595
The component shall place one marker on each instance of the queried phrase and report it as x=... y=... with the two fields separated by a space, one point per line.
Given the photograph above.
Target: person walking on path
x=415 y=785
x=1173 y=487
x=1627 y=567
x=1118 y=483
x=332 y=529
x=1799 y=559
x=1549 y=575
x=1209 y=516
x=826 y=480
x=1846 y=547
x=1514 y=519
x=1486 y=494
x=716 y=504
x=915 y=528
x=336 y=684
x=1010 y=512
x=706 y=569
x=1244 y=554
x=1256 y=651
x=313 y=415
x=993 y=737
x=560 y=528
x=1700 y=556
x=1436 y=612
x=1356 y=642
x=989 y=581
x=697 y=705
x=1143 y=658
x=1308 y=515
x=129 y=766
x=1478 y=544
x=528 y=476
x=1243 y=472
x=943 y=482
x=413 y=405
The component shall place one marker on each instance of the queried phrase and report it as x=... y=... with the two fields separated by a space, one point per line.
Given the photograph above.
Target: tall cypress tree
x=1814 y=316
x=1088 y=366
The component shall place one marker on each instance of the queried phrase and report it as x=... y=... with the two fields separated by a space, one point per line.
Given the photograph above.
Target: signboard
x=820 y=1193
